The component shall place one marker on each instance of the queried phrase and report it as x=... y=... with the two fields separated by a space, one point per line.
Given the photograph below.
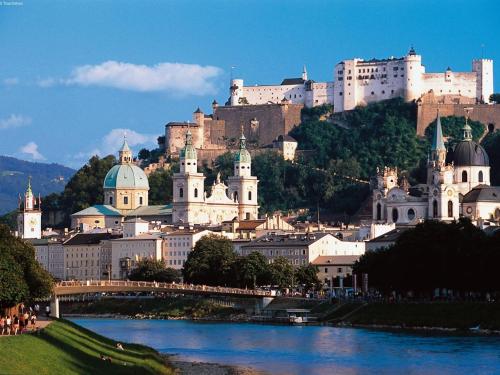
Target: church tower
x=242 y=185
x=443 y=202
x=188 y=190
x=29 y=217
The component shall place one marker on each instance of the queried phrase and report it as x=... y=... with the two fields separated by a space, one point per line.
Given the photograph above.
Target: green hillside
x=14 y=173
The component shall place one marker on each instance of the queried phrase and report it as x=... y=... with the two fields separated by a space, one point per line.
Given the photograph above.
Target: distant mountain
x=14 y=173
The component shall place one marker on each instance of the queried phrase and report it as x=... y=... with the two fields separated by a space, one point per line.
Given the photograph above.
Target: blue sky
x=74 y=75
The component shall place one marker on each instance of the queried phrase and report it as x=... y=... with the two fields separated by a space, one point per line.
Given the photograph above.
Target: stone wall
x=271 y=120
x=488 y=114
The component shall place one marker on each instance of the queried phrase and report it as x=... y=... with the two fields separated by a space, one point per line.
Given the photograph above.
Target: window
x=480 y=176
x=395 y=215
x=379 y=211
x=125 y=200
x=181 y=192
x=111 y=200
x=339 y=270
x=196 y=192
x=140 y=201
x=249 y=195
x=235 y=196
x=247 y=216
x=434 y=208
x=450 y=209
x=464 y=176
x=411 y=214
x=326 y=270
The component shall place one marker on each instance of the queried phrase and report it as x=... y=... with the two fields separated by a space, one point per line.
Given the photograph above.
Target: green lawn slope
x=66 y=348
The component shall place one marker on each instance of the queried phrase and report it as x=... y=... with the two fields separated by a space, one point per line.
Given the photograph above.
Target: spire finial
x=467 y=129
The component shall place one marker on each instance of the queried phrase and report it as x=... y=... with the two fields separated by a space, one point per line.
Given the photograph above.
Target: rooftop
x=483 y=193
x=301 y=239
x=292 y=81
x=99 y=210
x=90 y=238
x=340 y=260
x=155 y=210
x=392 y=235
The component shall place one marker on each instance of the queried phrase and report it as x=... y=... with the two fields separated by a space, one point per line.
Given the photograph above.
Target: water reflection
x=309 y=350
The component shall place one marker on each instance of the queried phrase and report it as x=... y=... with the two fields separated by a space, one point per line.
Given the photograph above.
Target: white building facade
x=178 y=244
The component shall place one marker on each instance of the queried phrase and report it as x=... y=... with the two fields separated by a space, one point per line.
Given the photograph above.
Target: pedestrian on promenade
x=47 y=310
x=33 y=322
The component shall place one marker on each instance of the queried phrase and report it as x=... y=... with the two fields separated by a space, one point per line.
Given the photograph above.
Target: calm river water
x=309 y=350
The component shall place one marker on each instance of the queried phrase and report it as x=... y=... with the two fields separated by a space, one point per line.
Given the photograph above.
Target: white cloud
x=14 y=121
x=112 y=142
x=31 y=149
x=175 y=78
x=11 y=81
x=46 y=82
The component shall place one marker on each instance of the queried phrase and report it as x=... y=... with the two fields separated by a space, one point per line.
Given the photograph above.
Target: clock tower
x=29 y=217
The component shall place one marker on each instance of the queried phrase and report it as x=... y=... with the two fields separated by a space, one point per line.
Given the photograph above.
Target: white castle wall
x=359 y=82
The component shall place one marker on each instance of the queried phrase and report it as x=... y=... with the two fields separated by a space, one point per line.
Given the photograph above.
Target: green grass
x=66 y=348
x=461 y=315
x=161 y=307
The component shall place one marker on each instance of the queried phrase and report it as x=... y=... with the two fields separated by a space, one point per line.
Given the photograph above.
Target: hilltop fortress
x=268 y=112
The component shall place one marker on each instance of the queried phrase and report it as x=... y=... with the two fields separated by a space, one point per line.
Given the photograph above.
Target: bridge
x=65 y=288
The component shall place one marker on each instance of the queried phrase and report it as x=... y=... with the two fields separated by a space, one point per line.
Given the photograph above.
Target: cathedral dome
x=126 y=176
x=469 y=153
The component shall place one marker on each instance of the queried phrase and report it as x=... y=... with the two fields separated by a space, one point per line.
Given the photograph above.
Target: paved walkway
x=40 y=324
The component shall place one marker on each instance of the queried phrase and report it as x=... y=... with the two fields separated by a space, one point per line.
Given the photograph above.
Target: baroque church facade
x=238 y=199
x=458 y=185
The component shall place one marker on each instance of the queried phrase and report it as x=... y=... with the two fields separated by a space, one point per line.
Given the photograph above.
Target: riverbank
x=66 y=348
x=472 y=317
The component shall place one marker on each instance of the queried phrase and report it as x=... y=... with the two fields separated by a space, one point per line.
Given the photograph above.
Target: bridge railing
x=161 y=285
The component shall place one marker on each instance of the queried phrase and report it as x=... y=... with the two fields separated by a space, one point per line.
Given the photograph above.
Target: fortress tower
x=484 y=86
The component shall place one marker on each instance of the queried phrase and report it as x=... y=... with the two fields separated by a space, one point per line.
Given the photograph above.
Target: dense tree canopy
x=21 y=276
x=452 y=129
x=457 y=256
x=160 y=186
x=154 y=270
x=307 y=276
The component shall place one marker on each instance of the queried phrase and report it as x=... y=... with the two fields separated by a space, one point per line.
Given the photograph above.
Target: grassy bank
x=158 y=307
x=459 y=315
x=65 y=348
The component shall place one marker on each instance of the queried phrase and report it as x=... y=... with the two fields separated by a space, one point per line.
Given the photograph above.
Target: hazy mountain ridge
x=14 y=173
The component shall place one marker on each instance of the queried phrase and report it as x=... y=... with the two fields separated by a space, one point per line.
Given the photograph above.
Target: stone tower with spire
x=188 y=204
x=29 y=217
x=242 y=185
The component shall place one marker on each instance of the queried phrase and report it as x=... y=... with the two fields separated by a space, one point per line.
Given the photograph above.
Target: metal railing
x=160 y=286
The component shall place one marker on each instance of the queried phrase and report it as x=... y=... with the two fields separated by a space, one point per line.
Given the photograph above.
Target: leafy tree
x=491 y=144
x=282 y=272
x=144 y=154
x=252 y=270
x=307 y=275
x=452 y=129
x=160 y=186
x=434 y=254
x=154 y=270
x=21 y=276
x=211 y=262
x=495 y=97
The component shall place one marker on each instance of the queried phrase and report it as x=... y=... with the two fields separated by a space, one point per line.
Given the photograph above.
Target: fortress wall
x=489 y=115
x=450 y=83
x=273 y=120
x=175 y=136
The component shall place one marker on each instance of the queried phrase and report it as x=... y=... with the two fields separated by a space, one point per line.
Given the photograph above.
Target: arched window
x=125 y=200
x=140 y=201
x=249 y=195
x=181 y=192
x=379 y=211
x=464 y=176
x=450 y=209
x=411 y=214
x=434 y=208
x=395 y=215
x=480 y=177
x=235 y=196
x=196 y=192
x=111 y=200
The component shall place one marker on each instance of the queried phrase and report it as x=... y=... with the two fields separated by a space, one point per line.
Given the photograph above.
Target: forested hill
x=14 y=173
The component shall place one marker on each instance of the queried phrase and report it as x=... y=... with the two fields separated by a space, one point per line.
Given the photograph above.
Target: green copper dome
x=126 y=176
x=242 y=156
x=188 y=151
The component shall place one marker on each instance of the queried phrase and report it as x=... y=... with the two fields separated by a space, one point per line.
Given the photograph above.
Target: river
x=311 y=350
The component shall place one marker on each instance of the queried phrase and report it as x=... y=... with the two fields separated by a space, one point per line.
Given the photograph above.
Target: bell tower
x=242 y=185
x=188 y=204
x=29 y=217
